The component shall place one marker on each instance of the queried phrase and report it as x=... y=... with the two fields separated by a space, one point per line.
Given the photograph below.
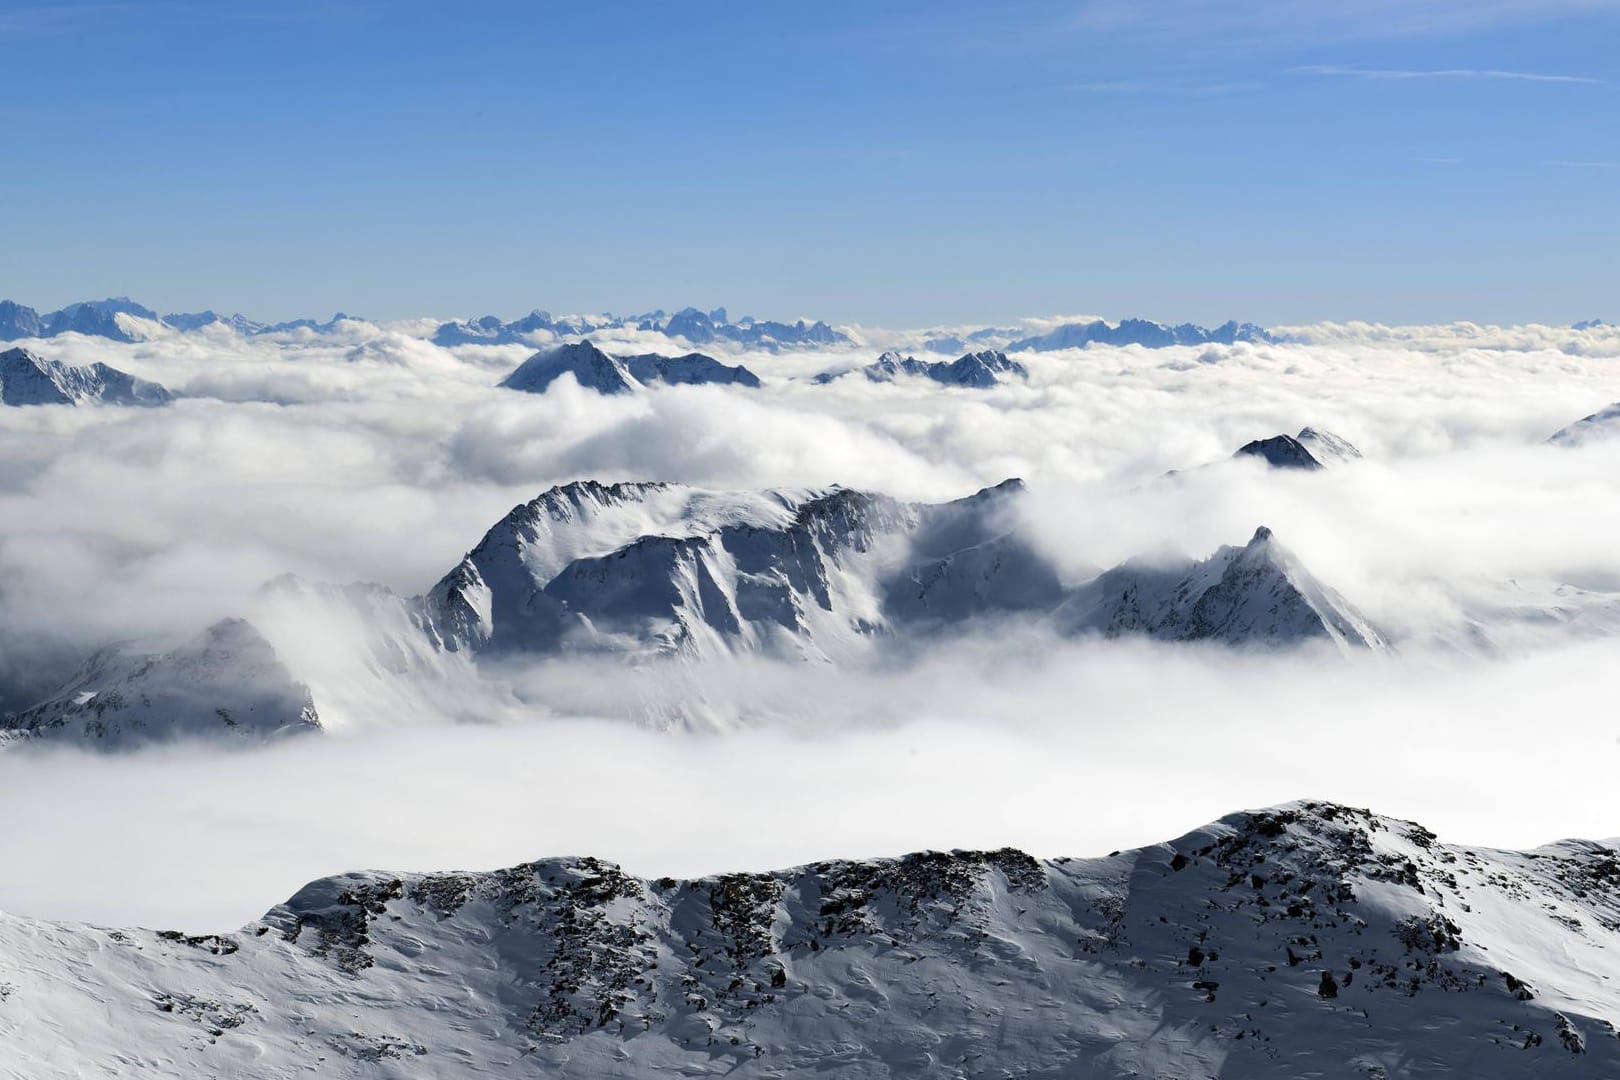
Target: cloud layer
x=381 y=457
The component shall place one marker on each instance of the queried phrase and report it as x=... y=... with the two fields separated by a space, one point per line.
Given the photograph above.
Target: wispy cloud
x=1342 y=71
x=1277 y=21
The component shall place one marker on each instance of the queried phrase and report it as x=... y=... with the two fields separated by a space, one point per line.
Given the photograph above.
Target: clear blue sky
x=889 y=163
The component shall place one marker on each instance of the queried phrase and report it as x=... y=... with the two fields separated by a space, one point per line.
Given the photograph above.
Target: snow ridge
x=1308 y=939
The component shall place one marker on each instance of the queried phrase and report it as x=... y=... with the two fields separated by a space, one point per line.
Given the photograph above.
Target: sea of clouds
x=377 y=456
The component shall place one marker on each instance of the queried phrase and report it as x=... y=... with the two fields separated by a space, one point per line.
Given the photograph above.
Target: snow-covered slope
x=29 y=379
x=227 y=683
x=1307 y=940
x=977 y=369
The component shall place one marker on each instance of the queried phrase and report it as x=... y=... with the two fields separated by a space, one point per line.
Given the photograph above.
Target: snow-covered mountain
x=1310 y=449
x=227 y=683
x=1600 y=426
x=29 y=379
x=1307 y=940
x=657 y=569
x=977 y=370
x=592 y=368
x=596 y=370
x=1144 y=332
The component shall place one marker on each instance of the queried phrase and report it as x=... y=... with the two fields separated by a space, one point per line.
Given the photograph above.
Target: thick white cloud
x=381 y=457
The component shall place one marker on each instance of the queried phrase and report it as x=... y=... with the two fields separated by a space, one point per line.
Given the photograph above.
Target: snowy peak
x=596 y=370
x=1307 y=939
x=29 y=379
x=226 y=683
x=592 y=368
x=977 y=370
x=1310 y=449
x=1258 y=594
x=689 y=324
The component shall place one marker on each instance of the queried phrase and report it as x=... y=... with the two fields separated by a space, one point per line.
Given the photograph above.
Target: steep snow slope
x=1307 y=940
x=29 y=379
x=227 y=683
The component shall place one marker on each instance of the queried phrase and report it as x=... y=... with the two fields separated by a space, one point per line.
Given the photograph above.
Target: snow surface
x=1307 y=940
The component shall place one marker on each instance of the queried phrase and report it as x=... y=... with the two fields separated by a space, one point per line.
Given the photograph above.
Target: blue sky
x=881 y=162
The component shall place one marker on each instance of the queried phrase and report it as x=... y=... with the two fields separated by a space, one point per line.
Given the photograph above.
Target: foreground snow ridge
x=1307 y=940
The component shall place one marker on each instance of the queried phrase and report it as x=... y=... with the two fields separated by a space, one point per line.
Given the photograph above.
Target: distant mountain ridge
x=1308 y=939
x=689 y=324
x=1153 y=335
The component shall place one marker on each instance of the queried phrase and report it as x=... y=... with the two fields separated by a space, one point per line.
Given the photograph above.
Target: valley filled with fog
x=1461 y=564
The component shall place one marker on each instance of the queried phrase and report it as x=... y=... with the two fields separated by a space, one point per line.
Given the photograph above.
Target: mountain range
x=101 y=318
x=1309 y=939
x=1143 y=332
